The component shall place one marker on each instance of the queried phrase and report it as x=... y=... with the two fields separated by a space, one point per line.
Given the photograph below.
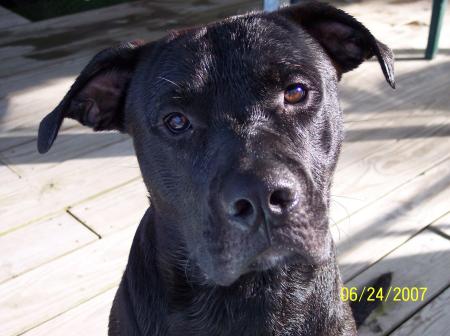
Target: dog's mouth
x=226 y=272
x=229 y=253
x=274 y=257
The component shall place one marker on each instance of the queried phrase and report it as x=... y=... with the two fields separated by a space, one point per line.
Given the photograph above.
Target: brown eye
x=177 y=122
x=294 y=94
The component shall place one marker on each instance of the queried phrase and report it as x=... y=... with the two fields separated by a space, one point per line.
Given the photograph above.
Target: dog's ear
x=347 y=41
x=96 y=98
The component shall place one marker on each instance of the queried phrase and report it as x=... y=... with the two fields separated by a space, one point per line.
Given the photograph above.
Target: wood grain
x=41 y=193
x=114 y=210
x=374 y=231
x=433 y=319
x=443 y=225
x=60 y=285
x=36 y=244
x=89 y=318
x=9 y=19
x=42 y=43
x=369 y=179
x=411 y=265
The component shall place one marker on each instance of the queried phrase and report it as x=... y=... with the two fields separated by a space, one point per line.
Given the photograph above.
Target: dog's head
x=237 y=129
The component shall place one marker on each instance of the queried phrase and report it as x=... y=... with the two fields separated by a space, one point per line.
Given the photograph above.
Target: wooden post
x=437 y=16
x=271 y=5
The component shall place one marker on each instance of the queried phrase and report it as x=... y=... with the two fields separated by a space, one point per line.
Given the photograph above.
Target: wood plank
x=49 y=191
x=365 y=181
x=367 y=137
x=89 y=318
x=26 y=38
x=114 y=210
x=58 y=286
x=22 y=110
x=7 y=175
x=443 y=225
x=404 y=28
x=411 y=265
x=397 y=23
x=363 y=99
x=50 y=42
x=433 y=319
x=10 y=19
x=70 y=144
x=376 y=230
x=40 y=242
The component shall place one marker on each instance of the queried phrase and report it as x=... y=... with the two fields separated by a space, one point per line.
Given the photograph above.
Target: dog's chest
x=254 y=319
x=259 y=317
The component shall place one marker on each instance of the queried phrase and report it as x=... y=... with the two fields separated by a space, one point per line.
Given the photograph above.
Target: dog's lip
x=272 y=257
x=275 y=256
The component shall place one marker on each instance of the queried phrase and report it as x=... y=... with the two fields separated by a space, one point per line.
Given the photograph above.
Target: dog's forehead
x=244 y=32
x=231 y=64
x=240 y=49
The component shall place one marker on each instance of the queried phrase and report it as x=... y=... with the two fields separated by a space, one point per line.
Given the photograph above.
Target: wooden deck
x=67 y=218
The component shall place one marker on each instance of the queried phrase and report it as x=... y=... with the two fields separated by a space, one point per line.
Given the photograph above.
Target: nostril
x=281 y=199
x=243 y=208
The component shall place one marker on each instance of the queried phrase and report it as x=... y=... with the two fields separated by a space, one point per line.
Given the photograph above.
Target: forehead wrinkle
x=260 y=42
x=234 y=59
x=194 y=68
x=225 y=51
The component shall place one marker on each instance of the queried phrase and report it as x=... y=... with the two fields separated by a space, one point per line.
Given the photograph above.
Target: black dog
x=237 y=129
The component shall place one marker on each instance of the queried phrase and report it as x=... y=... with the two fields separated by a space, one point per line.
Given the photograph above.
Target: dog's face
x=237 y=129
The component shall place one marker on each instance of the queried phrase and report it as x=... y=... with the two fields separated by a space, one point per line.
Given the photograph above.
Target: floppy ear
x=97 y=97
x=347 y=41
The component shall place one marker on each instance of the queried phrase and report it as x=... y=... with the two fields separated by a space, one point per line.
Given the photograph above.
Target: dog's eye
x=177 y=122
x=294 y=94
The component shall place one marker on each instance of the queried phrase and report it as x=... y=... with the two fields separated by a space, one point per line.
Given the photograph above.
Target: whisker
x=347 y=217
x=347 y=197
x=169 y=81
x=337 y=227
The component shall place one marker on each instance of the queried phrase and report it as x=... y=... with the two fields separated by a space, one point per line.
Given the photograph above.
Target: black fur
x=201 y=264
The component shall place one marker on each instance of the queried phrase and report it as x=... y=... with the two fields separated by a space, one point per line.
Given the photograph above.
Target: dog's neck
x=290 y=300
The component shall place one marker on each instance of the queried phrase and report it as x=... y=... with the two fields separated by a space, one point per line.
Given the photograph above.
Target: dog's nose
x=248 y=200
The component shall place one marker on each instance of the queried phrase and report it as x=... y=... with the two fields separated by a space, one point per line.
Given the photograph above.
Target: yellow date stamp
x=393 y=293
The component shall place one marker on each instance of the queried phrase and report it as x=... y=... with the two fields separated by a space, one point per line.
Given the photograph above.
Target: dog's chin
x=270 y=259
x=274 y=258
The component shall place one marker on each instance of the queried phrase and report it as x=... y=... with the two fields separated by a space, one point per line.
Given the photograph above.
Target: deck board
x=101 y=213
x=442 y=225
x=433 y=319
x=45 y=292
x=70 y=38
x=376 y=230
x=10 y=19
x=366 y=138
x=89 y=318
x=411 y=265
x=375 y=175
x=44 y=192
x=34 y=245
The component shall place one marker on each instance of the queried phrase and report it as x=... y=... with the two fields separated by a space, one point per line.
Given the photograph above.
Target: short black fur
x=236 y=239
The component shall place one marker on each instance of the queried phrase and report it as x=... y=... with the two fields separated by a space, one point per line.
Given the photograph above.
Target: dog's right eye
x=294 y=94
x=177 y=122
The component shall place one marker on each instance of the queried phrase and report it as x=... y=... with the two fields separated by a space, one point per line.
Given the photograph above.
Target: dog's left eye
x=294 y=94
x=177 y=122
